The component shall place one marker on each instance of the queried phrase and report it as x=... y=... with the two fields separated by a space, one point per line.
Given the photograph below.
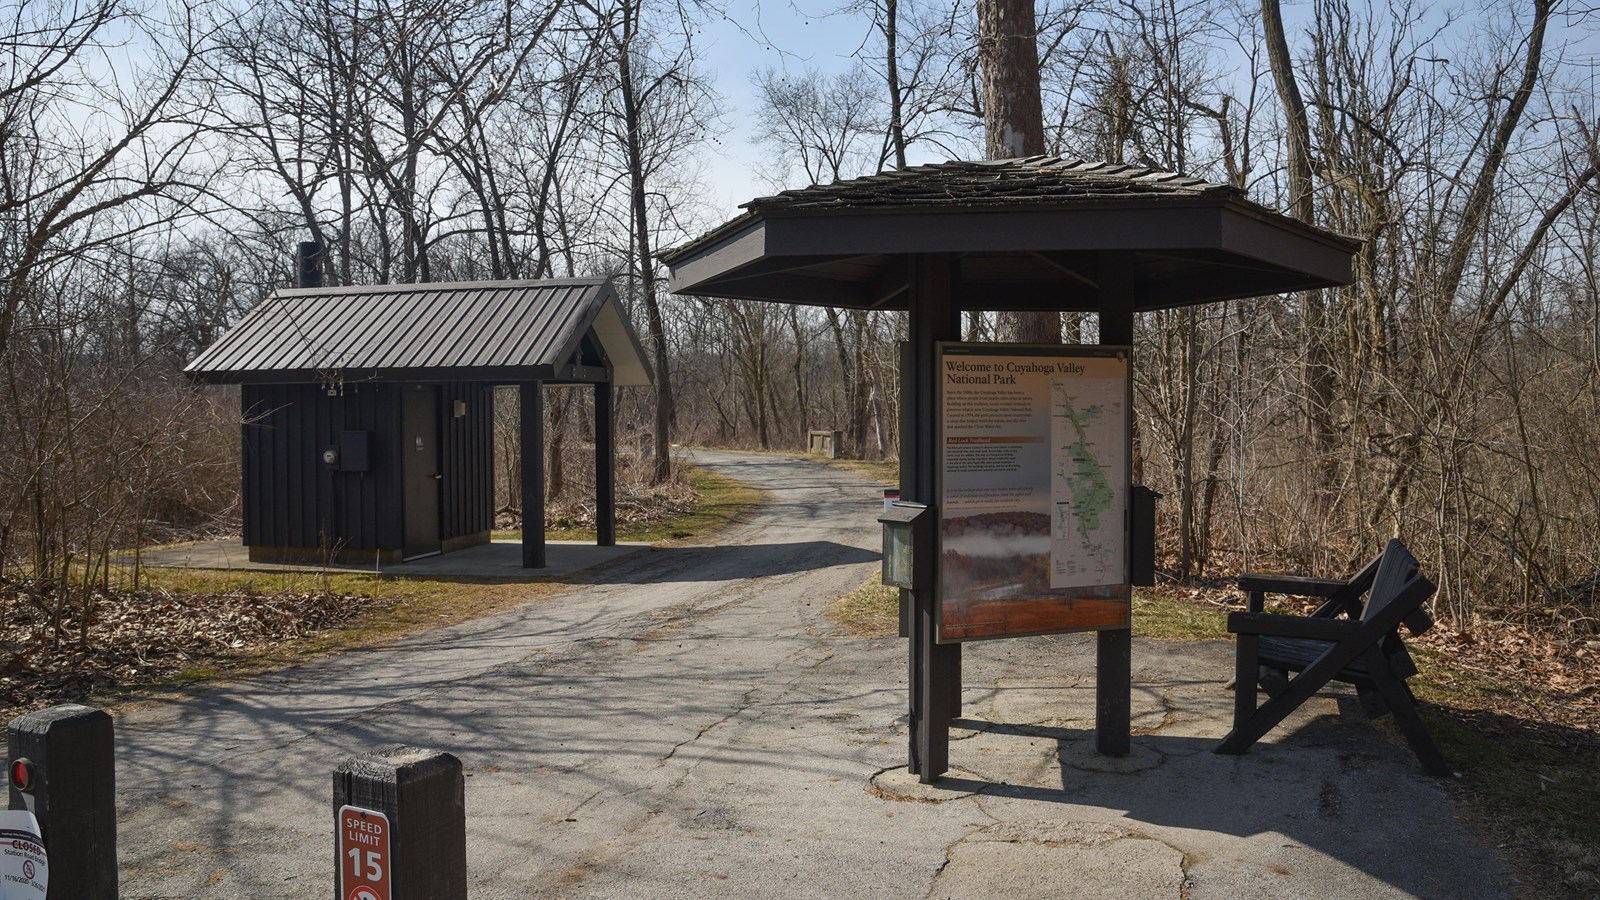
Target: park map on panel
x=1088 y=431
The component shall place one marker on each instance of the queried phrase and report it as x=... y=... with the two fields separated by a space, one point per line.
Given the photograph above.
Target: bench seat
x=1297 y=654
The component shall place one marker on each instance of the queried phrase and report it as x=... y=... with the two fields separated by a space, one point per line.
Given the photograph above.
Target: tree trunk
x=646 y=259
x=802 y=414
x=1013 y=114
x=849 y=377
x=555 y=483
x=1297 y=126
x=1013 y=123
x=1319 y=372
x=891 y=34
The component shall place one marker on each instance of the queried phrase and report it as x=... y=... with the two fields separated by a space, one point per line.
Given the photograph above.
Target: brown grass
x=871 y=610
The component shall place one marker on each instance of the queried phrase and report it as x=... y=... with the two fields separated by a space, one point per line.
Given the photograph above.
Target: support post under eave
x=1114 y=647
x=605 y=460
x=533 y=551
x=935 y=667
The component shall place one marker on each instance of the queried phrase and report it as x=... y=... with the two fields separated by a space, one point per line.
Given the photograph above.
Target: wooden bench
x=1345 y=639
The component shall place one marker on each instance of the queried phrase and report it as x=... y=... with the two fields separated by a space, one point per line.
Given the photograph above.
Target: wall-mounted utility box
x=355 y=450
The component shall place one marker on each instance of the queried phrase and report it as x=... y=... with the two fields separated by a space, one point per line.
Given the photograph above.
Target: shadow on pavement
x=735 y=562
x=1331 y=786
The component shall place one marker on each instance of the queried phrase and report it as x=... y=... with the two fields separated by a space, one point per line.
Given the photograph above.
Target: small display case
x=908 y=552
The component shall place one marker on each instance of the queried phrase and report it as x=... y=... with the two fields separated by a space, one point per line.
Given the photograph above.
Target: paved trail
x=692 y=726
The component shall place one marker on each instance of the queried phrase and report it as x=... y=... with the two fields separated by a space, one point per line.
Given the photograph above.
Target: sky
x=796 y=35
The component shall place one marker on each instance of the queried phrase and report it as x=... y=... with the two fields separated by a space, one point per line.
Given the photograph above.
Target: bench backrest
x=1395 y=568
x=1347 y=599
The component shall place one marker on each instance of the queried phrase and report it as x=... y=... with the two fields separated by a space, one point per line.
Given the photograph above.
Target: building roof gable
x=481 y=331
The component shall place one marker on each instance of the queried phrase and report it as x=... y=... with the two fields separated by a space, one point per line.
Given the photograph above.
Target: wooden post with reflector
x=62 y=768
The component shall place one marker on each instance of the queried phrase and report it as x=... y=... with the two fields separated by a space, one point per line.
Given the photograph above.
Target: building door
x=419 y=454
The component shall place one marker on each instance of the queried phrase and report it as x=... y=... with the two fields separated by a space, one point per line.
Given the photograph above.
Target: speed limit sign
x=363 y=854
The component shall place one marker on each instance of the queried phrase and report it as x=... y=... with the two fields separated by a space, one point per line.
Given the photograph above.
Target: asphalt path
x=690 y=725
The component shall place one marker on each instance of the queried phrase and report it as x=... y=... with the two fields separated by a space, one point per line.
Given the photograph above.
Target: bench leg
x=1372 y=703
x=1406 y=717
x=1301 y=688
x=1244 y=686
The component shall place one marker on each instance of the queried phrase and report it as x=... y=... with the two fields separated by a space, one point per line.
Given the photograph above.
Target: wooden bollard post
x=71 y=765
x=400 y=828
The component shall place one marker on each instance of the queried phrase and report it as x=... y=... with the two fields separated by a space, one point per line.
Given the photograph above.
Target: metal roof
x=471 y=331
x=1030 y=233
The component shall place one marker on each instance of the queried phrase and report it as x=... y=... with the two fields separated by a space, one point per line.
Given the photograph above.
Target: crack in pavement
x=1056 y=834
x=747 y=699
x=1169 y=714
x=743 y=704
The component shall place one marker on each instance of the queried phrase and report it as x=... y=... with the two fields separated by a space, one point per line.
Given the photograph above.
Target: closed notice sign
x=363 y=854
x=24 y=871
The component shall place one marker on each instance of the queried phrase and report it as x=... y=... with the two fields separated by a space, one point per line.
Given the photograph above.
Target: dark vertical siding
x=325 y=517
x=350 y=488
x=290 y=498
x=305 y=461
x=466 y=459
x=381 y=495
x=281 y=421
x=249 y=465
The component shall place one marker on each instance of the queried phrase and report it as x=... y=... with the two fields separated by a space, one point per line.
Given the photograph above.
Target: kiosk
x=1041 y=233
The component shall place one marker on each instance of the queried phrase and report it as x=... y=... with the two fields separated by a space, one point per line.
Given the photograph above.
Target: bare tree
x=821 y=129
x=660 y=112
x=380 y=123
x=79 y=148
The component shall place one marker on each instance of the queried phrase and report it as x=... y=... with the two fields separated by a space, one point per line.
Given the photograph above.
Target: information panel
x=1033 y=457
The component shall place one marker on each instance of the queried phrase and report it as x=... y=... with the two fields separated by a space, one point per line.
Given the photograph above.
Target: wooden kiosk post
x=605 y=461
x=1040 y=233
x=935 y=667
x=1113 y=665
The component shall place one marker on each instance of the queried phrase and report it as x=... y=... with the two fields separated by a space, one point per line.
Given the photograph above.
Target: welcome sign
x=1033 y=464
